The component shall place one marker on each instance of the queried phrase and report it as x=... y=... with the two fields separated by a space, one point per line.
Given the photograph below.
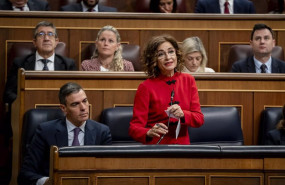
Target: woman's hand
x=176 y=110
x=157 y=130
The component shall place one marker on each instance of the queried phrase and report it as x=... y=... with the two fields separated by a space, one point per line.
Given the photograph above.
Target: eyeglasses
x=43 y=34
x=161 y=55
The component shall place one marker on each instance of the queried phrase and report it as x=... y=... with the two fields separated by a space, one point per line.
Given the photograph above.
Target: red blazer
x=153 y=98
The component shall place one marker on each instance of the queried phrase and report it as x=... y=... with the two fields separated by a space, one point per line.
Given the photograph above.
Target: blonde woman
x=108 y=53
x=195 y=57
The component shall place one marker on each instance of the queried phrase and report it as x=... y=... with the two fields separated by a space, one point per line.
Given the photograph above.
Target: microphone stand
x=168 y=122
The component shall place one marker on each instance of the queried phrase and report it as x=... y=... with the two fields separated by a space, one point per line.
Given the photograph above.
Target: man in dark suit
x=45 y=41
x=74 y=130
x=218 y=6
x=24 y=5
x=87 y=6
x=262 y=42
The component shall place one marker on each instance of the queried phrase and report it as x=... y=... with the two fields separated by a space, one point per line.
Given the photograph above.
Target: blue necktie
x=263 y=68
x=45 y=61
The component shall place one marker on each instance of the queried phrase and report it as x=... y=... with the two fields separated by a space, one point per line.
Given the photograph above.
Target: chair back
x=21 y=49
x=222 y=126
x=131 y=52
x=269 y=119
x=239 y=52
x=118 y=119
x=32 y=118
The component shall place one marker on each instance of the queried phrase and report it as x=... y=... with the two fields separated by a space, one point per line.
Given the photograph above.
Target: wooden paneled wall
x=261 y=6
x=218 y=32
x=251 y=93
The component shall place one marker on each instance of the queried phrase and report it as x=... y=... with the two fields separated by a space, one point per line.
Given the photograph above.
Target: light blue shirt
x=258 y=64
x=70 y=132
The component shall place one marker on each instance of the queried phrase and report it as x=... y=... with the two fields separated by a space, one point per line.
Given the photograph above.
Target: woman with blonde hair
x=108 y=53
x=195 y=57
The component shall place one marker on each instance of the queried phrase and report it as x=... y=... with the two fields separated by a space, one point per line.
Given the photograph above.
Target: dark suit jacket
x=275 y=137
x=77 y=7
x=34 y=5
x=36 y=162
x=213 y=6
x=28 y=63
x=247 y=66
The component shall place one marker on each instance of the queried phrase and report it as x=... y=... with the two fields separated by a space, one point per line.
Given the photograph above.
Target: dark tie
x=21 y=8
x=45 y=61
x=263 y=68
x=91 y=10
x=75 y=138
x=227 y=11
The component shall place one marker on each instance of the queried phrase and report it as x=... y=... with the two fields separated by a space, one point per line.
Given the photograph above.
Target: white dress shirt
x=39 y=64
x=85 y=8
x=231 y=6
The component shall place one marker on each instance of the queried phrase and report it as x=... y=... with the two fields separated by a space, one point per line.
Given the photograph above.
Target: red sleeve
x=137 y=129
x=194 y=117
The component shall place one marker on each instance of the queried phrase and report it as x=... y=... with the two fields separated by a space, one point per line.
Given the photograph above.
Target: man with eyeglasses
x=24 y=5
x=45 y=40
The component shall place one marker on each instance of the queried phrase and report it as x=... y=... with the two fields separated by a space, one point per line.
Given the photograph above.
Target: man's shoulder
x=103 y=8
x=72 y=7
x=21 y=60
x=96 y=124
x=276 y=60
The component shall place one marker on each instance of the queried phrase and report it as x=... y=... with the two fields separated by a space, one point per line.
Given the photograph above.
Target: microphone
x=168 y=122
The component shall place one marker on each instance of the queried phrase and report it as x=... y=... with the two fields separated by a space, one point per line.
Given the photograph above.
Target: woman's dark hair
x=280 y=6
x=281 y=124
x=154 y=6
x=149 y=58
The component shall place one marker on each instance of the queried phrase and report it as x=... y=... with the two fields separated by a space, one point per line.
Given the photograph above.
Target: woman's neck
x=168 y=73
x=105 y=61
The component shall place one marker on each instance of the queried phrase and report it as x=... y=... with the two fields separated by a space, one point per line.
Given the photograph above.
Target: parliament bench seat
x=222 y=126
x=270 y=116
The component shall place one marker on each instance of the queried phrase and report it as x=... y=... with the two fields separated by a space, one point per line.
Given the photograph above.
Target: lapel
x=250 y=65
x=236 y=7
x=61 y=134
x=215 y=6
x=30 y=62
x=58 y=63
x=90 y=134
x=274 y=66
x=31 y=5
x=7 y=5
x=282 y=137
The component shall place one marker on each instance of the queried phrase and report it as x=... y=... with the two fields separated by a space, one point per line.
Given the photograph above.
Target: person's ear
x=63 y=108
x=34 y=43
